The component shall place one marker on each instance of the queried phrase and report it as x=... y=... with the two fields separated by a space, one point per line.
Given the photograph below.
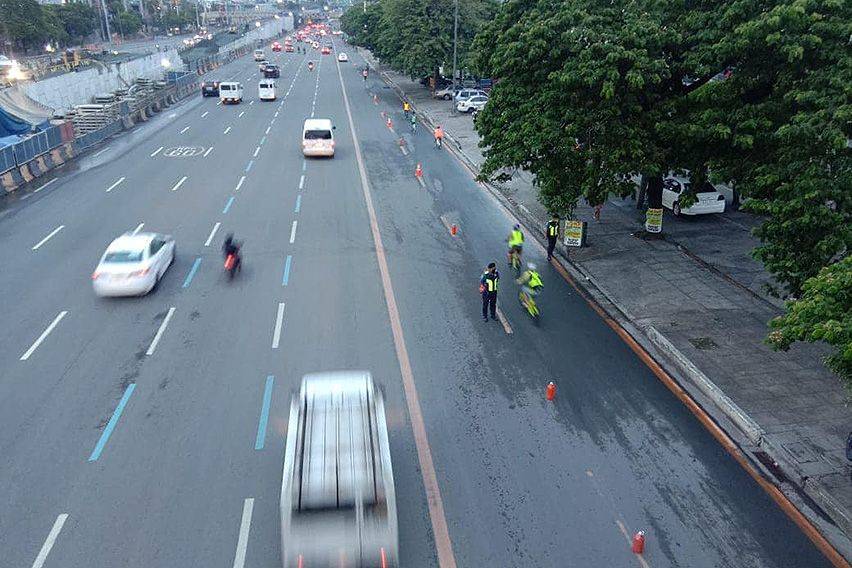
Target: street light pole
x=106 y=21
x=455 y=50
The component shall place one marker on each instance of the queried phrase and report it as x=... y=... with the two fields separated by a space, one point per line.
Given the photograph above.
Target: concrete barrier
x=56 y=156
x=11 y=180
x=25 y=173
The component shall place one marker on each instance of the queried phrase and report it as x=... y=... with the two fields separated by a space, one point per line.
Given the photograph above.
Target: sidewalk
x=698 y=299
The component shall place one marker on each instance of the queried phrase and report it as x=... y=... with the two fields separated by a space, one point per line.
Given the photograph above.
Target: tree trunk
x=735 y=199
x=655 y=200
x=641 y=191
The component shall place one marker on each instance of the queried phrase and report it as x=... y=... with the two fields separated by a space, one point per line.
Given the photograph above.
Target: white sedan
x=709 y=200
x=133 y=264
x=342 y=57
x=476 y=102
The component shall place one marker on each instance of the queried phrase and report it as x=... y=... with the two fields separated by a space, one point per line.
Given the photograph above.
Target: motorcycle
x=310 y=66
x=232 y=263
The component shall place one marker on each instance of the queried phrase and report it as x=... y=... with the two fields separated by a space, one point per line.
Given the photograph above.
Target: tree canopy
x=415 y=37
x=29 y=25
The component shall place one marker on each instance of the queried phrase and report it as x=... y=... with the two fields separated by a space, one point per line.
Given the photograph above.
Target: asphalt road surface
x=129 y=428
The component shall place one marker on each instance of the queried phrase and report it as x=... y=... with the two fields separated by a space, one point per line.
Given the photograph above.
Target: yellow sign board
x=654 y=220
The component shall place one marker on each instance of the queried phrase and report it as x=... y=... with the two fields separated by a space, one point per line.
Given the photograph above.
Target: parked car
x=473 y=103
x=446 y=93
x=271 y=71
x=133 y=264
x=465 y=94
x=210 y=89
x=709 y=200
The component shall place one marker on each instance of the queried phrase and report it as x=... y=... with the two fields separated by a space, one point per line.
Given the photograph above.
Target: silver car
x=338 y=504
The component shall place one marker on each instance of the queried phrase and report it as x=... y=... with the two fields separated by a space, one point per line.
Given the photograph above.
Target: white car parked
x=342 y=57
x=133 y=264
x=709 y=199
x=473 y=103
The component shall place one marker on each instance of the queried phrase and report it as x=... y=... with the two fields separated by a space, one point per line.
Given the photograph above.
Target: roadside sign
x=574 y=233
x=654 y=220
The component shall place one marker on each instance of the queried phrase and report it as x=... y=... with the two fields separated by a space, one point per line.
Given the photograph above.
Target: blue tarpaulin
x=10 y=124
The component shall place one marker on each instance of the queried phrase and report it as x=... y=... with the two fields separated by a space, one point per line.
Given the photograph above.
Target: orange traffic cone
x=638 y=542
x=454 y=230
x=550 y=393
x=390 y=124
x=418 y=171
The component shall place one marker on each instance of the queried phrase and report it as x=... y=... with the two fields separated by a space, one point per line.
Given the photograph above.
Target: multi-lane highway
x=147 y=432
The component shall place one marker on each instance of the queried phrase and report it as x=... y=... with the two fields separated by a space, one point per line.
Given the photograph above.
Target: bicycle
x=529 y=304
x=515 y=259
x=439 y=142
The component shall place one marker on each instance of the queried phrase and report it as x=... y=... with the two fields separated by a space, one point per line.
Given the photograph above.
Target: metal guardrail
x=96 y=136
x=30 y=148
x=7 y=159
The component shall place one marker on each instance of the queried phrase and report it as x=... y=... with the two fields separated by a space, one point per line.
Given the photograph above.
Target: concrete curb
x=644 y=335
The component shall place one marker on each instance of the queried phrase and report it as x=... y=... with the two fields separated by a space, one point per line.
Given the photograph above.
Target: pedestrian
x=488 y=287
x=598 y=208
x=552 y=231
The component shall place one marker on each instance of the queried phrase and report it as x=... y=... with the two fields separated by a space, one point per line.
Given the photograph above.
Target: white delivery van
x=259 y=55
x=318 y=137
x=266 y=90
x=230 y=92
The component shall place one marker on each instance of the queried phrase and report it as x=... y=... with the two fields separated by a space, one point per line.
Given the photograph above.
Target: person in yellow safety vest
x=530 y=281
x=406 y=108
x=488 y=288
x=516 y=242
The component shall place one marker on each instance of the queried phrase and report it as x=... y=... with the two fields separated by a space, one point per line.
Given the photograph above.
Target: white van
x=230 y=92
x=318 y=137
x=259 y=55
x=266 y=90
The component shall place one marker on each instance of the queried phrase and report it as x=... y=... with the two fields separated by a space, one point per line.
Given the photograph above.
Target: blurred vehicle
x=266 y=90
x=446 y=93
x=465 y=94
x=342 y=57
x=289 y=48
x=232 y=30
x=338 y=500
x=325 y=50
x=318 y=137
x=276 y=46
x=315 y=45
x=133 y=264
x=271 y=71
x=259 y=55
x=230 y=92
x=476 y=102
x=262 y=64
x=210 y=89
x=709 y=200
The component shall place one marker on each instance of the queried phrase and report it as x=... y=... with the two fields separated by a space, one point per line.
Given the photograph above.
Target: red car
x=288 y=48
x=276 y=46
x=326 y=50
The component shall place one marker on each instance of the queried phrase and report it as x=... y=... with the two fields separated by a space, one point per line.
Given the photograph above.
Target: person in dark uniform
x=488 y=286
x=552 y=231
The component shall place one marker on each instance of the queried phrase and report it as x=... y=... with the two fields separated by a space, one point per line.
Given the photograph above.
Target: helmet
x=517 y=227
x=530 y=266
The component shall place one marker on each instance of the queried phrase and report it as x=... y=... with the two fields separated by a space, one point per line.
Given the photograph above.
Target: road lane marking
x=192 y=272
x=174 y=114
x=256 y=152
x=293 y=232
x=184 y=130
x=241 y=114
x=264 y=414
x=227 y=130
x=263 y=141
x=302 y=182
x=43 y=335
x=240 y=184
x=304 y=165
x=228 y=204
x=100 y=152
x=207 y=153
x=440 y=531
x=116 y=184
x=157 y=151
x=504 y=322
x=50 y=541
x=251 y=103
x=268 y=128
x=138 y=228
x=242 y=541
x=250 y=164
x=276 y=114
x=298 y=203
x=39 y=188
x=47 y=238
x=178 y=184
x=213 y=232
x=160 y=331
x=205 y=113
x=286 y=278
x=279 y=321
x=99 y=447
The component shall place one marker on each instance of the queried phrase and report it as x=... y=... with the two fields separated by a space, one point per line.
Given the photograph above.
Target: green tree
x=131 y=22
x=52 y=25
x=22 y=23
x=361 y=26
x=823 y=313
x=79 y=20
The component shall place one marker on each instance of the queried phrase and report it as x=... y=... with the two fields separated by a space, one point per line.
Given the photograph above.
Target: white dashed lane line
x=184 y=130
x=160 y=331
x=157 y=151
x=240 y=183
x=116 y=184
x=227 y=130
x=50 y=540
x=212 y=234
x=47 y=238
x=43 y=335
x=178 y=184
x=293 y=232
x=207 y=153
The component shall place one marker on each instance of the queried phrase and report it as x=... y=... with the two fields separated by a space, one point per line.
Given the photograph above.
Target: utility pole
x=106 y=21
x=455 y=50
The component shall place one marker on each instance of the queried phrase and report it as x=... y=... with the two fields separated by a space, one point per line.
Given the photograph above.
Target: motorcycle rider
x=231 y=246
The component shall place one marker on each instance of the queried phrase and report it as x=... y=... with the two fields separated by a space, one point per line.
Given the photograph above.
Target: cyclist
x=413 y=121
x=406 y=108
x=516 y=244
x=439 y=136
x=531 y=283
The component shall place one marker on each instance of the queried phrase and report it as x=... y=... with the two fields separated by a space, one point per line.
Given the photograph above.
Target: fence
x=91 y=138
x=30 y=148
